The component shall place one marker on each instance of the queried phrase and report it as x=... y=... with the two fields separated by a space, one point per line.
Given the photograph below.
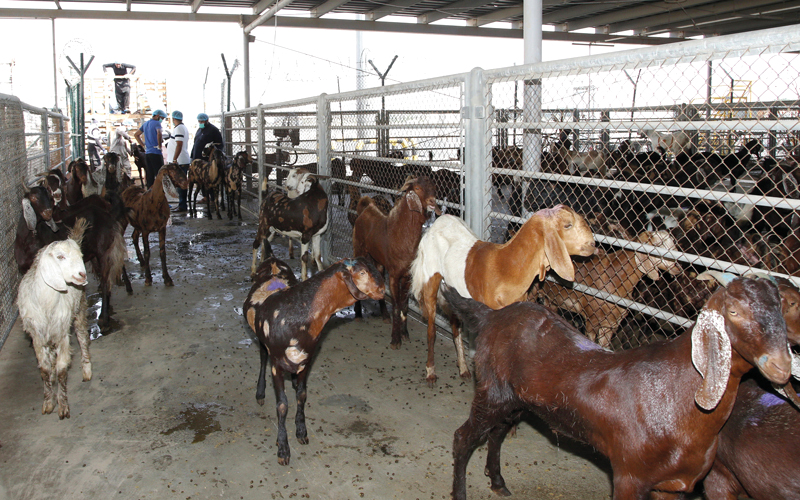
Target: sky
x=286 y=63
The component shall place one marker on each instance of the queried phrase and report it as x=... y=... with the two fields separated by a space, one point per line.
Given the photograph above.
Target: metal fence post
x=324 y=164
x=261 y=168
x=476 y=115
x=46 y=137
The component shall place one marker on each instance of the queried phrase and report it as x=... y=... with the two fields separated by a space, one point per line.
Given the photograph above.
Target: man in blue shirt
x=154 y=160
x=206 y=134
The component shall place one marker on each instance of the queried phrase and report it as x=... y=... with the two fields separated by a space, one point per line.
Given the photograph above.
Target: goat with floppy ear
x=288 y=320
x=659 y=428
x=496 y=275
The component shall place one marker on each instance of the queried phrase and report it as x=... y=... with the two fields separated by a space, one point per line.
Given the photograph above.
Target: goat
x=580 y=162
x=78 y=177
x=289 y=322
x=380 y=171
x=391 y=241
x=140 y=160
x=115 y=180
x=655 y=411
x=207 y=176
x=304 y=217
x=497 y=275
x=233 y=182
x=380 y=201
x=676 y=142
x=759 y=446
x=37 y=212
x=51 y=298
x=616 y=273
x=148 y=211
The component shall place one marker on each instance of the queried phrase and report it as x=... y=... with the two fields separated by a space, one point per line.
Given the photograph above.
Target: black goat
x=289 y=321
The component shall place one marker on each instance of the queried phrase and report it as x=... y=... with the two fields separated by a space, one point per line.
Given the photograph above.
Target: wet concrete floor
x=171 y=410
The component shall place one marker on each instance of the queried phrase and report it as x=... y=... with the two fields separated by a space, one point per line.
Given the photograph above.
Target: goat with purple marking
x=655 y=411
x=288 y=318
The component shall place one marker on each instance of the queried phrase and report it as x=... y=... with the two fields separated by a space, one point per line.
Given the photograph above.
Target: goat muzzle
x=777 y=369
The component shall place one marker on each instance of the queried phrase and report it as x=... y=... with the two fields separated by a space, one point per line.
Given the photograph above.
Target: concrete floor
x=171 y=410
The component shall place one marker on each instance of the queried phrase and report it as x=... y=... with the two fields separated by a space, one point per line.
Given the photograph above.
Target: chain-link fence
x=32 y=140
x=681 y=157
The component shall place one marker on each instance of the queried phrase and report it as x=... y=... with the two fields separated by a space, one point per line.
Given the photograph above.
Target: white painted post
x=324 y=166
x=476 y=114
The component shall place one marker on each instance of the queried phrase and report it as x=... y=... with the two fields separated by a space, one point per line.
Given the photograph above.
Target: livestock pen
x=170 y=412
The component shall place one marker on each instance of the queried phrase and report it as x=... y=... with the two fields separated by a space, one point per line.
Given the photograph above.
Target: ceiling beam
x=389 y=9
x=633 y=13
x=682 y=16
x=196 y=5
x=449 y=10
x=128 y=5
x=496 y=16
x=261 y=6
x=58 y=4
x=327 y=7
x=267 y=15
x=561 y=15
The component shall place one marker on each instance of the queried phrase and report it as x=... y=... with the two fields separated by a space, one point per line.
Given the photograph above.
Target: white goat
x=676 y=141
x=50 y=298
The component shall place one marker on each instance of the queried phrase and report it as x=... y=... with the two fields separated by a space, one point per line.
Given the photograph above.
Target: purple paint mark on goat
x=770 y=399
x=276 y=284
x=585 y=344
x=549 y=212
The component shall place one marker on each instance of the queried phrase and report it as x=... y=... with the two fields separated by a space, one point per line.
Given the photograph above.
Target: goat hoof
x=168 y=282
x=87 y=372
x=260 y=401
x=431 y=381
x=47 y=408
x=302 y=440
x=388 y=321
x=466 y=375
x=283 y=460
x=396 y=345
x=63 y=413
x=502 y=491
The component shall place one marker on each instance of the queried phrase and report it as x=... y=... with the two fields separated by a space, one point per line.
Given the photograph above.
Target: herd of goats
x=668 y=415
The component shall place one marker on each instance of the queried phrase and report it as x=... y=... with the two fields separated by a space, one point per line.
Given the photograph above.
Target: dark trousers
x=122 y=91
x=182 y=192
x=154 y=163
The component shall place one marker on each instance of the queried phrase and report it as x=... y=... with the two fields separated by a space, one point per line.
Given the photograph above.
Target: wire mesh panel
x=378 y=139
x=681 y=159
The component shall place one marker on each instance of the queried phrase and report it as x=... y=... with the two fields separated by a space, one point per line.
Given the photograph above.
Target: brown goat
x=391 y=241
x=497 y=275
x=233 y=182
x=655 y=411
x=148 y=211
x=616 y=273
x=207 y=176
x=355 y=196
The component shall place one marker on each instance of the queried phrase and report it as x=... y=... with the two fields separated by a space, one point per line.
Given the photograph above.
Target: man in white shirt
x=178 y=152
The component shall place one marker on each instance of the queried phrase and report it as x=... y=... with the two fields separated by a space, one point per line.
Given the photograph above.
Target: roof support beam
x=562 y=15
x=261 y=6
x=128 y=5
x=58 y=4
x=448 y=10
x=494 y=17
x=389 y=9
x=196 y=5
x=668 y=8
x=327 y=7
x=267 y=15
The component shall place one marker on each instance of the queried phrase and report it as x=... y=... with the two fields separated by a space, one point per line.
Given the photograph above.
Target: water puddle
x=94 y=306
x=200 y=418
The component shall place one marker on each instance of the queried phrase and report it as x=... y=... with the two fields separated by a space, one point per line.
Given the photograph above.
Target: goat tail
x=78 y=230
x=417 y=272
x=115 y=257
x=471 y=312
x=363 y=203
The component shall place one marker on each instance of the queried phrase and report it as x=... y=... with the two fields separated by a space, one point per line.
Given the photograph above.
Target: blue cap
x=160 y=113
x=177 y=115
x=202 y=117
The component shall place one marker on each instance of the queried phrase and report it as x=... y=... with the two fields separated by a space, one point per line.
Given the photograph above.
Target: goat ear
x=51 y=272
x=796 y=366
x=351 y=286
x=168 y=186
x=645 y=264
x=711 y=356
x=29 y=214
x=556 y=255
x=414 y=203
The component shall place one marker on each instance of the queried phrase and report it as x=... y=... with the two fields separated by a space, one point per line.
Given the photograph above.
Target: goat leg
x=429 y=293
x=135 y=238
x=44 y=356
x=261 y=385
x=63 y=357
x=282 y=408
x=82 y=332
x=466 y=439
x=219 y=200
x=127 y=281
x=162 y=252
x=401 y=303
x=239 y=203
x=209 y=194
x=628 y=488
x=300 y=418
x=492 y=470
x=303 y=260
x=463 y=368
x=231 y=208
x=148 y=278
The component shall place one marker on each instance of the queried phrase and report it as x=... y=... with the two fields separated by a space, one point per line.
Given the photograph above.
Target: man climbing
x=122 y=86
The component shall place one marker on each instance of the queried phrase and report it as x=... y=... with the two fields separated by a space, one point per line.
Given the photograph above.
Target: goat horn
x=721 y=278
x=787 y=391
x=25 y=186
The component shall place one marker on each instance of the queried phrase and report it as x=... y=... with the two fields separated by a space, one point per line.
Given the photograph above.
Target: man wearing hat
x=151 y=129
x=178 y=152
x=206 y=134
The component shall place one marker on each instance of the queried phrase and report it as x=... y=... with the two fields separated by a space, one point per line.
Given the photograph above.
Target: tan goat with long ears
x=495 y=274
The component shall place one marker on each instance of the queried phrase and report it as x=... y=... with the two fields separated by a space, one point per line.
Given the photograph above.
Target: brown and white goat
x=207 y=177
x=288 y=321
x=51 y=299
x=148 y=212
x=304 y=217
x=616 y=273
x=391 y=241
x=497 y=275
x=655 y=411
